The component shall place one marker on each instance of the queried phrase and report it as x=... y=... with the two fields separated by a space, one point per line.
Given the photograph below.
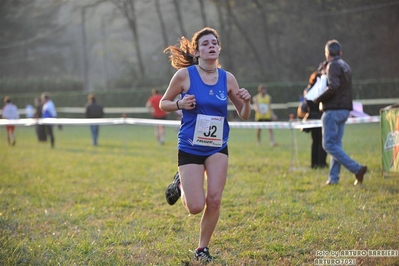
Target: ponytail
x=181 y=55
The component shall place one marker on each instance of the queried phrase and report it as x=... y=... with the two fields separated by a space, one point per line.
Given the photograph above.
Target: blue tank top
x=210 y=100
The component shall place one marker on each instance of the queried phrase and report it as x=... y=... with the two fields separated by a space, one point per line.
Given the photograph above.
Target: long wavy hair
x=182 y=54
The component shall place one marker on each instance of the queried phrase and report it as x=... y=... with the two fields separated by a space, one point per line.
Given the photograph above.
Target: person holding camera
x=311 y=111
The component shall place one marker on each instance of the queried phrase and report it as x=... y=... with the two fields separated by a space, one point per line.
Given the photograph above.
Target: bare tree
x=225 y=32
x=163 y=30
x=161 y=24
x=85 y=58
x=105 y=53
x=127 y=8
x=179 y=17
x=245 y=34
x=203 y=14
x=282 y=42
x=266 y=35
x=25 y=30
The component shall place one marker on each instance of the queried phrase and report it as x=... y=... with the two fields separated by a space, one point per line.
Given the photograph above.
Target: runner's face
x=208 y=47
x=264 y=91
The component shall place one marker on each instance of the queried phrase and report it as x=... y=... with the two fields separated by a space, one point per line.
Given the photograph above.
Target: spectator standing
x=40 y=130
x=10 y=111
x=157 y=113
x=318 y=155
x=48 y=111
x=30 y=111
x=337 y=103
x=263 y=112
x=94 y=110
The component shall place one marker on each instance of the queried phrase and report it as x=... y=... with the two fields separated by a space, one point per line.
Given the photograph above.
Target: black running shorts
x=187 y=158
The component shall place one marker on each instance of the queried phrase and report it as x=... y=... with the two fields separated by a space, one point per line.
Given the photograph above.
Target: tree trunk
x=104 y=57
x=247 y=38
x=163 y=30
x=179 y=17
x=224 y=35
x=266 y=34
x=127 y=8
x=162 y=24
x=203 y=14
x=84 y=52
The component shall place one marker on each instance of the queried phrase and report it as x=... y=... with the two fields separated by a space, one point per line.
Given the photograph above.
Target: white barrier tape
x=141 y=110
x=62 y=121
x=230 y=107
x=351 y=120
x=152 y=122
x=261 y=124
x=140 y=121
x=299 y=124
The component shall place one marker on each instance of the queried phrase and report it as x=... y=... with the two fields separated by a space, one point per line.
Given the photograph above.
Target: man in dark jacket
x=337 y=103
x=94 y=110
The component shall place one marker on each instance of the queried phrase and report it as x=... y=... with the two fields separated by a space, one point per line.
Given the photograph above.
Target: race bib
x=263 y=108
x=209 y=130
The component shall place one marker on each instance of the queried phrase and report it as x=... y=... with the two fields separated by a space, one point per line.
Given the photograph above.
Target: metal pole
x=294 y=147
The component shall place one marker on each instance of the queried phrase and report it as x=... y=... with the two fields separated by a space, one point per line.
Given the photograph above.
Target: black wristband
x=177 y=104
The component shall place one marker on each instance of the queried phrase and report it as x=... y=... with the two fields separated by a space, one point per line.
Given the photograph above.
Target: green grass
x=83 y=205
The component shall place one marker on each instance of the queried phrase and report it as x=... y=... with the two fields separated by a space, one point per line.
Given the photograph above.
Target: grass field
x=83 y=205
